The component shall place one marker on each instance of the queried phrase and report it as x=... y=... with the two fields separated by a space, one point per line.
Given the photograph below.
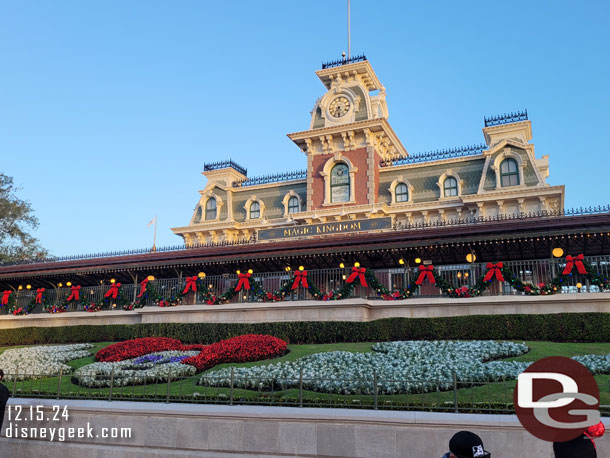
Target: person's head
x=467 y=445
x=581 y=447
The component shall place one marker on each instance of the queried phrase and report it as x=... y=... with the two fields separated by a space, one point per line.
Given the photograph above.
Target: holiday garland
x=575 y=266
x=148 y=293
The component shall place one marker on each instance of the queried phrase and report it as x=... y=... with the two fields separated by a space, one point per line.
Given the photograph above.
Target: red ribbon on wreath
x=357 y=272
x=244 y=281
x=18 y=311
x=576 y=260
x=425 y=272
x=494 y=269
x=143 y=284
x=462 y=292
x=39 y=292
x=75 y=294
x=191 y=283
x=300 y=278
x=5 y=296
x=113 y=291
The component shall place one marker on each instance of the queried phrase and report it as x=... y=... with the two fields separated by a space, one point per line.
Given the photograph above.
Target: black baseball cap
x=467 y=445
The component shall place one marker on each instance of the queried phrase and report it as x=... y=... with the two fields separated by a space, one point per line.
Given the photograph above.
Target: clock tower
x=349 y=136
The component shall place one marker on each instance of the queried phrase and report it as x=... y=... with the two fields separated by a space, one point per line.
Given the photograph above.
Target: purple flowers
x=159 y=359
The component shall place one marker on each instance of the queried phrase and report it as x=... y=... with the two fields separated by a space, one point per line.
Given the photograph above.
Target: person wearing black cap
x=466 y=445
x=581 y=447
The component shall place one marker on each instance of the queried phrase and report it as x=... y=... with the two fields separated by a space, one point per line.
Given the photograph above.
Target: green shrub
x=563 y=327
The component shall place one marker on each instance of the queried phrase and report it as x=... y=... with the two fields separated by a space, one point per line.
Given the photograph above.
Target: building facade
x=358 y=171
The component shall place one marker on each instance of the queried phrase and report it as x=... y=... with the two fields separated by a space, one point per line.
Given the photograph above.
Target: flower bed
x=139 y=347
x=401 y=367
x=157 y=359
x=150 y=368
x=40 y=361
x=251 y=347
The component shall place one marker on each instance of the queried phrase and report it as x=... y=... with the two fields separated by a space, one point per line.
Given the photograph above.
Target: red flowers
x=137 y=347
x=240 y=349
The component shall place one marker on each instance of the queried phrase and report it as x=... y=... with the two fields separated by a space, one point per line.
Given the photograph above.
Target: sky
x=108 y=110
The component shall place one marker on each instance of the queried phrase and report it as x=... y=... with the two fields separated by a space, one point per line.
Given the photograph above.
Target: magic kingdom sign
x=312 y=230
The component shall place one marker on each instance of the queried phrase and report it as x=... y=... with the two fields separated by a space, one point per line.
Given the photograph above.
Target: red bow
x=494 y=269
x=39 y=292
x=243 y=281
x=425 y=271
x=113 y=291
x=579 y=265
x=5 y=296
x=143 y=284
x=75 y=295
x=300 y=278
x=191 y=283
x=357 y=272
x=18 y=311
x=462 y=291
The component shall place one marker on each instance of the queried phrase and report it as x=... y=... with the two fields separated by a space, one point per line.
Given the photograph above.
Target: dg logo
x=557 y=399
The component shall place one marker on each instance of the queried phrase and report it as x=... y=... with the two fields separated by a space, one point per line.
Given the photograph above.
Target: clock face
x=339 y=107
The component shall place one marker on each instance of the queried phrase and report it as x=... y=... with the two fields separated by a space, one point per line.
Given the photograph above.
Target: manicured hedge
x=564 y=327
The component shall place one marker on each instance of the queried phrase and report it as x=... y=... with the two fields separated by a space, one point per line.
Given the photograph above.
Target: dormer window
x=450 y=187
x=401 y=193
x=339 y=183
x=210 y=209
x=293 y=205
x=255 y=210
x=509 y=173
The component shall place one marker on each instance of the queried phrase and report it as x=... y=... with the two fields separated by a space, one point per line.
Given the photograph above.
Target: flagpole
x=349 y=44
x=154 y=248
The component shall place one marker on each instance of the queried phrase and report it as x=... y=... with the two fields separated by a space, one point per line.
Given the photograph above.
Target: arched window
x=339 y=183
x=401 y=192
x=255 y=210
x=210 y=209
x=509 y=173
x=450 y=187
x=198 y=215
x=293 y=205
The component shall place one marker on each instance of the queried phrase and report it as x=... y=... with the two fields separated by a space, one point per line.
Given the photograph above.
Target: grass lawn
x=187 y=390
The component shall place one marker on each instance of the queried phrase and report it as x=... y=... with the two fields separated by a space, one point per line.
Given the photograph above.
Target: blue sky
x=108 y=110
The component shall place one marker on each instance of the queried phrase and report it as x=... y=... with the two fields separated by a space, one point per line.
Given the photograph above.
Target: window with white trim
x=293 y=205
x=255 y=210
x=339 y=183
x=401 y=193
x=509 y=173
x=450 y=187
x=210 y=209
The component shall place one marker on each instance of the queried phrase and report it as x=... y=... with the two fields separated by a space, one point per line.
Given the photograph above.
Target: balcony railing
x=393 y=278
x=450 y=153
x=273 y=178
x=580 y=211
x=225 y=165
x=343 y=61
x=505 y=118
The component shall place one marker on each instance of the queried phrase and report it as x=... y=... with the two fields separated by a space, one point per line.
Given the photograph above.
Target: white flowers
x=41 y=361
x=400 y=367
x=154 y=367
x=597 y=364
